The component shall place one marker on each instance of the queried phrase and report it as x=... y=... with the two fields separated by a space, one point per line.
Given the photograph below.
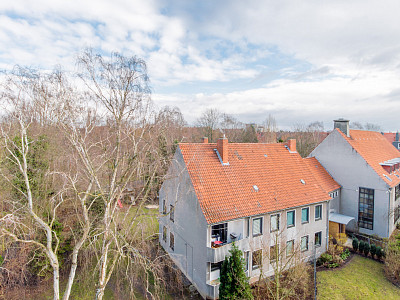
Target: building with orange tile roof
x=367 y=166
x=393 y=138
x=217 y=193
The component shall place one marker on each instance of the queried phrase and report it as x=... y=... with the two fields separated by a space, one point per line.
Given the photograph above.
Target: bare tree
x=209 y=120
x=232 y=128
x=308 y=137
x=27 y=209
x=356 y=125
x=366 y=126
x=33 y=100
x=270 y=129
x=122 y=154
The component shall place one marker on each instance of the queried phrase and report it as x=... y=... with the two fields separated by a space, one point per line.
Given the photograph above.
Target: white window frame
x=308 y=215
x=294 y=223
x=301 y=243
x=278 y=222
x=261 y=226
x=315 y=211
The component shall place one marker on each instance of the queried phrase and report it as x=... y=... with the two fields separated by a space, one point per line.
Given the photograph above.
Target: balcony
x=218 y=254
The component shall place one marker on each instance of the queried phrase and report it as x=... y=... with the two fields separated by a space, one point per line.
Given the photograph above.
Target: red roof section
x=390 y=136
x=227 y=192
x=325 y=180
x=375 y=149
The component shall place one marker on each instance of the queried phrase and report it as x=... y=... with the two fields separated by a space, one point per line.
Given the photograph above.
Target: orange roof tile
x=324 y=179
x=375 y=149
x=226 y=192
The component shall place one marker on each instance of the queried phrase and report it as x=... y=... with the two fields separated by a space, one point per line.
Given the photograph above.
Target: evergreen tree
x=234 y=282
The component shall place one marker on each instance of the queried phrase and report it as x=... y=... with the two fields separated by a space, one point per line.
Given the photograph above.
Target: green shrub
x=366 y=249
x=355 y=244
x=345 y=254
x=361 y=246
x=373 y=250
x=324 y=258
x=333 y=265
x=379 y=252
x=1 y=260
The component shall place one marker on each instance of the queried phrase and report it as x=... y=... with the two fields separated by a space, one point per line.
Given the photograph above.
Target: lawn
x=361 y=278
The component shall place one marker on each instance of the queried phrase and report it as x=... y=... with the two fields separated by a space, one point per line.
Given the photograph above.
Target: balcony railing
x=218 y=254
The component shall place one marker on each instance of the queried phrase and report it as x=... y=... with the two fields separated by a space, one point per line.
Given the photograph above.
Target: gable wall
x=189 y=226
x=351 y=171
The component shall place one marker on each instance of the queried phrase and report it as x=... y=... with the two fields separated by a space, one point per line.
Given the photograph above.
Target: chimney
x=342 y=125
x=222 y=148
x=205 y=140
x=397 y=136
x=292 y=145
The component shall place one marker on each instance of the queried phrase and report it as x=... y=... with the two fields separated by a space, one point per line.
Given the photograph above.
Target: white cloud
x=366 y=98
x=304 y=60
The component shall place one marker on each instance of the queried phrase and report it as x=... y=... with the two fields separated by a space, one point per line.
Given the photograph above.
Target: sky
x=301 y=61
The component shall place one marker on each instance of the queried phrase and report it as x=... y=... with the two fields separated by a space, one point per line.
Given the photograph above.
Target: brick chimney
x=342 y=125
x=292 y=145
x=222 y=148
x=205 y=140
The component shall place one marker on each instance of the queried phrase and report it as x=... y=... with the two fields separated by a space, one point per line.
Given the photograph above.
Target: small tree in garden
x=366 y=249
x=361 y=246
x=379 y=252
x=355 y=244
x=373 y=250
x=234 y=282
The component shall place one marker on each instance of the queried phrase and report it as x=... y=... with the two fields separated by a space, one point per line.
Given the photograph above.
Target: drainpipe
x=327 y=226
x=388 y=228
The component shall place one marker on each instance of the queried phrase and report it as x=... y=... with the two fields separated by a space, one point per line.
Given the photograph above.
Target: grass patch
x=361 y=278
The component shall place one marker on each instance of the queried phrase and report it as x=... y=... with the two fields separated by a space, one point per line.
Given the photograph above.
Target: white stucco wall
x=351 y=171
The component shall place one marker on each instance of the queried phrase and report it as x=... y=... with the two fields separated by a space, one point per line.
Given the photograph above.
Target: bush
x=379 y=252
x=345 y=254
x=373 y=250
x=366 y=249
x=361 y=246
x=355 y=244
x=324 y=258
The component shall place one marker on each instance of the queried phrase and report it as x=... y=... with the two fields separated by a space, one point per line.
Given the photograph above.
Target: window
x=317 y=239
x=289 y=247
x=397 y=191
x=164 y=234
x=257 y=226
x=171 y=213
x=305 y=215
x=257 y=259
x=304 y=243
x=290 y=216
x=396 y=214
x=274 y=222
x=216 y=266
x=366 y=208
x=247 y=227
x=219 y=232
x=164 y=208
x=273 y=252
x=171 y=241
x=318 y=212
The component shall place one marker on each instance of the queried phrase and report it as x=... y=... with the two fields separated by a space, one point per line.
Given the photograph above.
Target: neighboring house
x=215 y=194
x=366 y=165
x=393 y=138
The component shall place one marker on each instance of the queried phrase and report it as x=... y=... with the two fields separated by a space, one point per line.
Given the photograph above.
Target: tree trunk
x=56 y=283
